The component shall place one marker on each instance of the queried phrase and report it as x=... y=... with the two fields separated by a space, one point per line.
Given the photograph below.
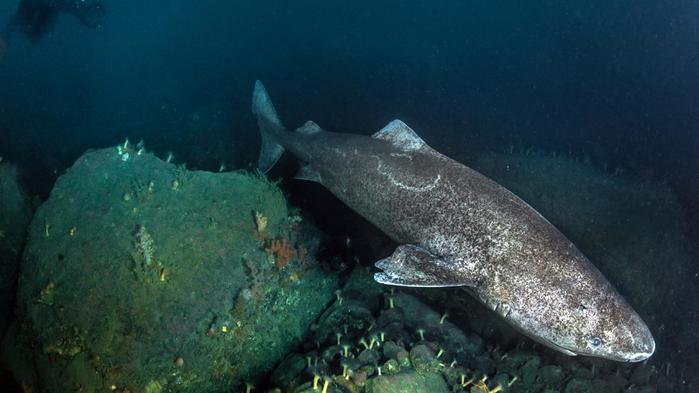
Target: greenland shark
x=457 y=228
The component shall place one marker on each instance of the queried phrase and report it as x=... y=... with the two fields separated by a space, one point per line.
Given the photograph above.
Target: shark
x=457 y=228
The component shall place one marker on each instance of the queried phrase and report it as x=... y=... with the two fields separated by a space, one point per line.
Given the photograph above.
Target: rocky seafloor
x=376 y=340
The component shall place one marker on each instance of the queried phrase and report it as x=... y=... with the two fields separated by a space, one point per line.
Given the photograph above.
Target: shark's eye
x=595 y=342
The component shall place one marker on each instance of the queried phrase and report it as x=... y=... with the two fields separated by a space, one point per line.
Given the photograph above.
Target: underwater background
x=193 y=276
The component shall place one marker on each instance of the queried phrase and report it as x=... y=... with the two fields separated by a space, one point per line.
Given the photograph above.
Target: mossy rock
x=145 y=276
x=408 y=382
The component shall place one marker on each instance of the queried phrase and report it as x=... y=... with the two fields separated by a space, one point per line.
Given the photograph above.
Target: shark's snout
x=644 y=348
x=642 y=342
x=636 y=345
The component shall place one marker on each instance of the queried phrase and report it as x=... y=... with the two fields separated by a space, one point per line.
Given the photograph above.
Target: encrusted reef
x=15 y=215
x=142 y=276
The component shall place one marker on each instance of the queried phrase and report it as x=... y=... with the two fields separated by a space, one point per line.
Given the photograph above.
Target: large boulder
x=141 y=276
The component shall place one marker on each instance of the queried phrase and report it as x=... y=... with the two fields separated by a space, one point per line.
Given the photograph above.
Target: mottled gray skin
x=459 y=228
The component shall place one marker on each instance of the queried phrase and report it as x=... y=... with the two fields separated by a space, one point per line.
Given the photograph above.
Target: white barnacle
x=145 y=245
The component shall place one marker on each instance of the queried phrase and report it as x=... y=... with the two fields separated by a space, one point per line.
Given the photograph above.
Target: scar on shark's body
x=380 y=168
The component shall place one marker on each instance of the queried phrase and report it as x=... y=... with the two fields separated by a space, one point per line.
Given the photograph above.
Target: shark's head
x=563 y=301
x=604 y=327
x=584 y=316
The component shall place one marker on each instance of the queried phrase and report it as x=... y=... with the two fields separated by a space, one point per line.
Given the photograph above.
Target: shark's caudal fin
x=270 y=125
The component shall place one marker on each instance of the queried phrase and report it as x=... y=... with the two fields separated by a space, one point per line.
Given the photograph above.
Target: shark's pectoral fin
x=413 y=266
x=308 y=173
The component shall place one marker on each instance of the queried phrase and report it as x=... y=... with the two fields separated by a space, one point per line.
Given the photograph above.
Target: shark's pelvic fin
x=269 y=123
x=401 y=136
x=413 y=266
x=308 y=173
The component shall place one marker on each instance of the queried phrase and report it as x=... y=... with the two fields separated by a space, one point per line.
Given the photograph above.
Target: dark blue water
x=615 y=84
x=621 y=76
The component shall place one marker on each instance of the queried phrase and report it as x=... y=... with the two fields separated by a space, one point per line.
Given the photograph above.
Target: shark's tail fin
x=270 y=128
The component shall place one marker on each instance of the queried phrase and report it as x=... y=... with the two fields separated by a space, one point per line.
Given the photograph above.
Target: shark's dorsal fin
x=413 y=266
x=401 y=136
x=309 y=128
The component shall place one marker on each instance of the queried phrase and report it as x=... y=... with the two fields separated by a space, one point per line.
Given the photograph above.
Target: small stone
x=513 y=361
x=576 y=385
x=359 y=378
x=354 y=364
x=389 y=316
x=390 y=367
x=408 y=382
x=422 y=358
x=551 y=375
x=583 y=373
x=368 y=369
x=391 y=349
x=421 y=353
x=484 y=364
x=403 y=358
x=393 y=330
x=368 y=356
x=529 y=370
x=475 y=344
x=179 y=362
x=288 y=373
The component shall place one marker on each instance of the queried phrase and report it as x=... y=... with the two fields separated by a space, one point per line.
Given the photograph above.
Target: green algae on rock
x=159 y=278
